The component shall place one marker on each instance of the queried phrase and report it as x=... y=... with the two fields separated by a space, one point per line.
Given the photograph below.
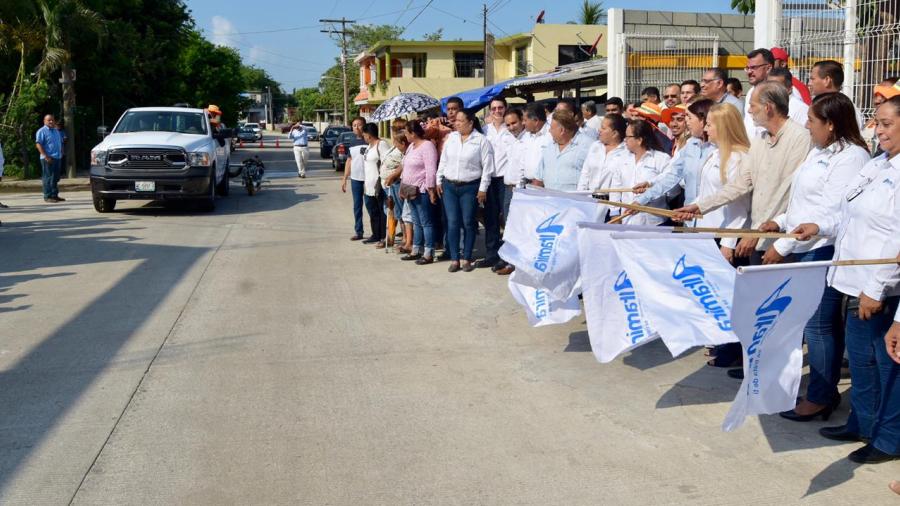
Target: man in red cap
x=799 y=87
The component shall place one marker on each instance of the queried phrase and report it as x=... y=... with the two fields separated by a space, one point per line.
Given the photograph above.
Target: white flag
x=771 y=308
x=540 y=238
x=684 y=284
x=540 y=307
x=616 y=321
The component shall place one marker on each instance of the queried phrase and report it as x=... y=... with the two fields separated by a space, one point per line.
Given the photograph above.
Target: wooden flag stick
x=617 y=219
x=739 y=232
x=646 y=209
x=873 y=261
x=613 y=190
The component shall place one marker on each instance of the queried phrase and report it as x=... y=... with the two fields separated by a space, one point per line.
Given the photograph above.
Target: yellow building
x=442 y=68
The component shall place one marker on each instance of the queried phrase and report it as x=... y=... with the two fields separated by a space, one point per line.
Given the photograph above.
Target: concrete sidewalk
x=34 y=185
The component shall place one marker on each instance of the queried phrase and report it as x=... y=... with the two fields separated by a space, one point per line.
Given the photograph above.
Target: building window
x=522 y=61
x=574 y=54
x=396 y=68
x=418 y=65
x=469 y=64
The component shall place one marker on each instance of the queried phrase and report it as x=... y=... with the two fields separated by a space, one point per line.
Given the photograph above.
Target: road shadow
x=706 y=385
x=835 y=474
x=38 y=390
x=653 y=354
x=274 y=197
x=579 y=342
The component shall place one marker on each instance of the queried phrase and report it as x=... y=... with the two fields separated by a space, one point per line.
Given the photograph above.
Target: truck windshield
x=162 y=121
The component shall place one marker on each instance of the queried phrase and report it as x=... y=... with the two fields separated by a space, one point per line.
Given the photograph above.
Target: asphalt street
x=254 y=355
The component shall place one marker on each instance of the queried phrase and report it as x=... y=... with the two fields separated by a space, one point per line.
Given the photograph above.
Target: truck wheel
x=102 y=205
x=223 y=187
x=209 y=202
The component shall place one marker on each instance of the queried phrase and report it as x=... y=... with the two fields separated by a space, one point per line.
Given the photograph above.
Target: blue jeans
x=423 y=230
x=875 y=401
x=358 y=190
x=493 y=208
x=394 y=193
x=50 y=173
x=824 y=335
x=460 y=203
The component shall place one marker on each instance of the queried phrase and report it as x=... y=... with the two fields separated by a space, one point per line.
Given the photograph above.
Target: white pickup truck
x=160 y=153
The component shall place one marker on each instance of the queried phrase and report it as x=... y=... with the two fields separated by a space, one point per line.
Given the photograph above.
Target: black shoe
x=454 y=267
x=484 y=264
x=469 y=267
x=425 y=261
x=870 y=455
x=737 y=374
x=840 y=433
x=356 y=238
x=3 y=206
x=59 y=199
x=370 y=240
x=411 y=257
x=444 y=256
x=498 y=266
x=825 y=412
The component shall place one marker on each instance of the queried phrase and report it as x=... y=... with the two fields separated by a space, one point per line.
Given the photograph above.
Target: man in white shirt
x=507 y=160
x=798 y=108
x=300 y=138
x=355 y=171
x=589 y=112
x=495 y=130
x=759 y=63
x=827 y=76
x=534 y=140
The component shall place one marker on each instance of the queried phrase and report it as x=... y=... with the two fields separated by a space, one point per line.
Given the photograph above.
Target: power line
x=309 y=27
x=416 y=17
x=397 y=21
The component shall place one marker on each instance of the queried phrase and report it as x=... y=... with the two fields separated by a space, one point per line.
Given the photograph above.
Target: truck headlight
x=199 y=159
x=98 y=157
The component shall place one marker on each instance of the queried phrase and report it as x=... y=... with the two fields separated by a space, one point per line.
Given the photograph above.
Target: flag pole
x=825 y=263
x=643 y=209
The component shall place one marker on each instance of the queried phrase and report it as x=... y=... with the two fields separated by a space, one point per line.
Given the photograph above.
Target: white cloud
x=223 y=32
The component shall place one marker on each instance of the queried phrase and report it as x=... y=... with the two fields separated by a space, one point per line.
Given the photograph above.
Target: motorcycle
x=252 y=170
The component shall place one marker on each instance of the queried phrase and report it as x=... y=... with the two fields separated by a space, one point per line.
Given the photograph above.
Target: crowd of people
x=784 y=157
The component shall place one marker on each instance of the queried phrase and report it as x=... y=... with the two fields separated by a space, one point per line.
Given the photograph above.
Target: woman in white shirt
x=868 y=226
x=374 y=155
x=645 y=163
x=606 y=156
x=817 y=189
x=725 y=130
x=463 y=176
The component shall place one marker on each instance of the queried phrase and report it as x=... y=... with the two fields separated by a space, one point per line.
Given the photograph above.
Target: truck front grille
x=142 y=158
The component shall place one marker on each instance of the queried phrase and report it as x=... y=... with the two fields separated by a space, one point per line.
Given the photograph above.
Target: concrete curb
x=35 y=186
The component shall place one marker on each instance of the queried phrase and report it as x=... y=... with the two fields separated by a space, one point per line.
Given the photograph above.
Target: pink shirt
x=420 y=166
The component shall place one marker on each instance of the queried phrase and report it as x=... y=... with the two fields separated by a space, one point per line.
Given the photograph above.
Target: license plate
x=145 y=186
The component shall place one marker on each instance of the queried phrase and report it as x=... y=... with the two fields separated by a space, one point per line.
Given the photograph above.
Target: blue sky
x=297 y=53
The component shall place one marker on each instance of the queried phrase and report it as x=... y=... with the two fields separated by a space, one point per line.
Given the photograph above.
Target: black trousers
x=493 y=208
x=377 y=218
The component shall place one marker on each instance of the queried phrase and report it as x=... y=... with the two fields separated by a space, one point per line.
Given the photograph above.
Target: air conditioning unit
x=479 y=73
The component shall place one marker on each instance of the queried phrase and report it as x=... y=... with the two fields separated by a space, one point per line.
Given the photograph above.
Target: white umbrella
x=403 y=104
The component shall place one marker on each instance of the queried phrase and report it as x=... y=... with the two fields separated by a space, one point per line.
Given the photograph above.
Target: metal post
x=343 y=33
x=849 y=48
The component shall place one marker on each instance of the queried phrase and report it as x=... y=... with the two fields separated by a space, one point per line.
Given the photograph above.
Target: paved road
x=256 y=356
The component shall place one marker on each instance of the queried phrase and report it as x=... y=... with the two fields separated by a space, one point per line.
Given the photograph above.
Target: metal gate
x=863 y=35
x=659 y=59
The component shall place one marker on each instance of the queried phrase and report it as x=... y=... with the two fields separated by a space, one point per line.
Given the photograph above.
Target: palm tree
x=61 y=18
x=591 y=13
x=744 y=6
x=20 y=38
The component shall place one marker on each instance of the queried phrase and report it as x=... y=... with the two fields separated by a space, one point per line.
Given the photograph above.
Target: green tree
x=591 y=13
x=308 y=100
x=211 y=74
x=61 y=19
x=744 y=6
x=435 y=35
x=362 y=37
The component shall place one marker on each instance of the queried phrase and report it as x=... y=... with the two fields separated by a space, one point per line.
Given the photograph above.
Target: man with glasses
x=713 y=87
x=495 y=127
x=494 y=122
x=759 y=63
x=671 y=95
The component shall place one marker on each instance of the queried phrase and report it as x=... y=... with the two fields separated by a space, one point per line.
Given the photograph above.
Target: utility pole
x=343 y=33
x=488 y=50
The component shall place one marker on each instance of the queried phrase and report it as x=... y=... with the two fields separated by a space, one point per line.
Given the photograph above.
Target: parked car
x=256 y=129
x=329 y=139
x=311 y=133
x=341 y=150
x=156 y=153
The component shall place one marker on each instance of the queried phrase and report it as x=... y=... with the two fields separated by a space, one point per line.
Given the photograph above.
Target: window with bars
x=469 y=64
x=418 y=64
x=522 y=61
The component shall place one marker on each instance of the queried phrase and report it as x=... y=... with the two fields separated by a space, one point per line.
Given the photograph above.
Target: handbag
x=379 y=189
x=408 y=191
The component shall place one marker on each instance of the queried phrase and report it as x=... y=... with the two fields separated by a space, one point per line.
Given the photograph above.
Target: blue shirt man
x=300 y=136
x=560 y=169
x=49 y=143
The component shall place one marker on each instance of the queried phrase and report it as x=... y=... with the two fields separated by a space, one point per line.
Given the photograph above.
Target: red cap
x=780 y=54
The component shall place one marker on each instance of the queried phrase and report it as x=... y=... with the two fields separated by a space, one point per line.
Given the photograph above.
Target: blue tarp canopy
x=479 y=97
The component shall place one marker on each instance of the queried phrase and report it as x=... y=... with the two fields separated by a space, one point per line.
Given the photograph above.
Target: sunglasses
x=670 y=96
